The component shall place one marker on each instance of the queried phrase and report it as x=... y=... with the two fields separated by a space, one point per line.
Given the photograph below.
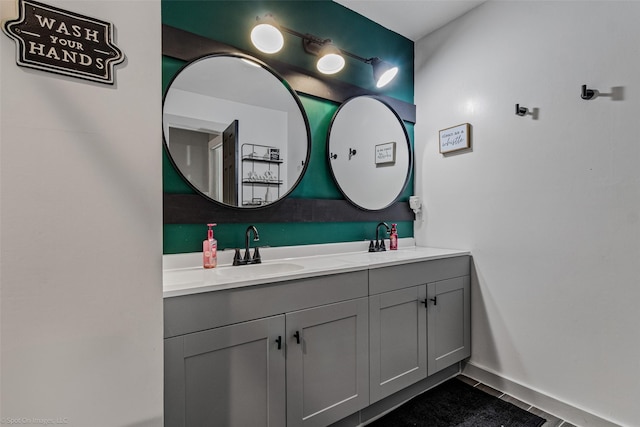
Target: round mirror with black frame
x=370 y=154
x=235 y=130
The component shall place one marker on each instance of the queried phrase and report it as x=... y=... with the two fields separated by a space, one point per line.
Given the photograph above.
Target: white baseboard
x=553 y=406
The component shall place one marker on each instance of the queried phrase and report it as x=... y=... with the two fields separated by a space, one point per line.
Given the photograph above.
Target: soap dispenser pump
x=210 y=249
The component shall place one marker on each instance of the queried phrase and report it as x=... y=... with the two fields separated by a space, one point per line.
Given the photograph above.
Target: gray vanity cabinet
x=398 y=340
x=419 y=321
x=232 y=359
x=232 y=376
x=448 y=322
x=310 y=352
x=327 y=363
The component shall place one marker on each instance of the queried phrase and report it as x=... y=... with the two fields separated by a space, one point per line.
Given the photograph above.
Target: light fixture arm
x=359 y=58
x=295 y=33
x=310 y=39
x=313 y=44
x=306 y=37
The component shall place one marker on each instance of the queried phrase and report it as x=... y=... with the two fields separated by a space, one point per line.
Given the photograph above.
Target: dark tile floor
x=551 y=420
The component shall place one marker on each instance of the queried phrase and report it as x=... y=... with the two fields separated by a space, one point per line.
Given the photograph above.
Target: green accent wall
x=231 y=22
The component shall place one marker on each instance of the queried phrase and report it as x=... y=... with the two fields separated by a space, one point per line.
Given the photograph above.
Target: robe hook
x=521 y=111
x=587 y=93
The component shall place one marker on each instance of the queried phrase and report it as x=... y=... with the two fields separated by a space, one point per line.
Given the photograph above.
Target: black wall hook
x=587 y=93
x=521 y=111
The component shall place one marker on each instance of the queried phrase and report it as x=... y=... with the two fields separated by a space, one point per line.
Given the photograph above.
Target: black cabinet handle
x=297 y=336
x=435 y=300
x=279 y=341
x=425 y=302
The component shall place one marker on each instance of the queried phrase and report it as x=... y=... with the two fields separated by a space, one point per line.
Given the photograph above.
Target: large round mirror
x=235 y=130
x=369 y=152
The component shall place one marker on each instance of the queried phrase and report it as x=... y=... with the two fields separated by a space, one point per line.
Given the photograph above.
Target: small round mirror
x=369 y=152
x=235 y=130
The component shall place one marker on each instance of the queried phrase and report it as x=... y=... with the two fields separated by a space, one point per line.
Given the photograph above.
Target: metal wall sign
x=52 y=39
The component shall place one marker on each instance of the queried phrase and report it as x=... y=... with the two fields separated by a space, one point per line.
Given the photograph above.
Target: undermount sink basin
x=228 y=273
x=253 y=270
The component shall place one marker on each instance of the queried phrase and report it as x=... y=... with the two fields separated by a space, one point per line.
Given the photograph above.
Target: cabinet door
x=327 y=363
x=398 y=340
x=233 y=376
x=448 y=323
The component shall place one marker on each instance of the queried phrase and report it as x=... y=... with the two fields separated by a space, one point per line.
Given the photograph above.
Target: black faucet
x=255 y=259
x=379 y=245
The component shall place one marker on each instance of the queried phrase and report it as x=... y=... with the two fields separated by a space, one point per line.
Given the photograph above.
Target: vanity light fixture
x=267 y=37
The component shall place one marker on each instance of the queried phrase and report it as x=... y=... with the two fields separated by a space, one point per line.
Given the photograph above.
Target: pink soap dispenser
x=210 y=249
x=393 y=238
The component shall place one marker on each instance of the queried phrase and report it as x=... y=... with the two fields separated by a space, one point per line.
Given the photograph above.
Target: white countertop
x=182 y=276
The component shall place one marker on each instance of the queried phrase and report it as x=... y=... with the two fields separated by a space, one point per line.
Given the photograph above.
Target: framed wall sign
x=63 y=42
x=455 y=138
x=386 y=153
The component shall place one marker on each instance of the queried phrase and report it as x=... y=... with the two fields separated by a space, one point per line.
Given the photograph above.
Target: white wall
x=81 y=232
x=550 y=207
x=257 y=125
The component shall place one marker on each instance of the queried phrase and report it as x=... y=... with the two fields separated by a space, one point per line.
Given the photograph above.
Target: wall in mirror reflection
x=243 y=144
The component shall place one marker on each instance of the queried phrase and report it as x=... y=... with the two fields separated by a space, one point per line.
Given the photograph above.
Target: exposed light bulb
x=266 y=36
x=383 y=72
x=386 y=77
x=330 y=61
